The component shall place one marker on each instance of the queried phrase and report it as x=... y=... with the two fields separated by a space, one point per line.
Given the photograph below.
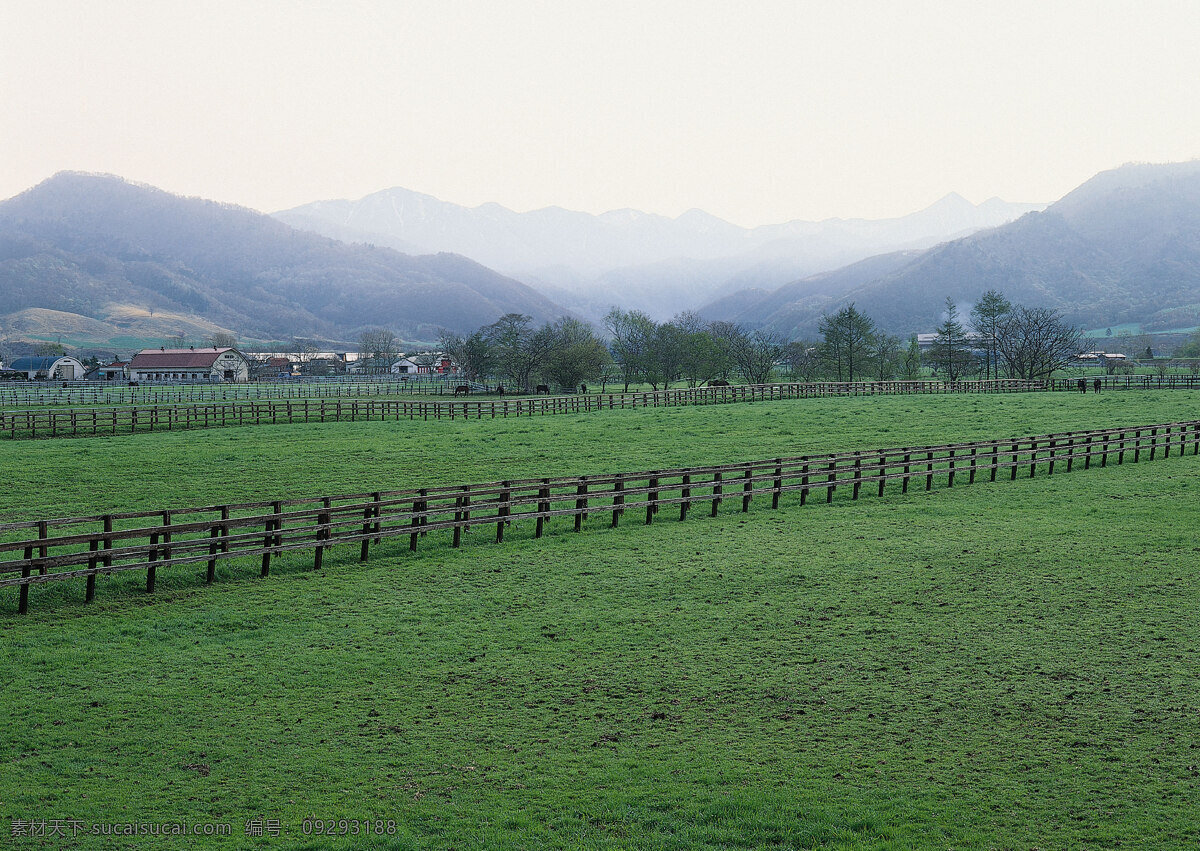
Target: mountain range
x=634 y=259
x=140 y=261
x=99 y=259
x=1122 y=248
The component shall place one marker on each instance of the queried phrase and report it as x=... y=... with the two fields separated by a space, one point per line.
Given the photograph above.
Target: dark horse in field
x=462 y=390
x=1082 y=385
x=1096 y=384
x=718 y=382
x=582 y=388
x=500 y=389
x=542 y=388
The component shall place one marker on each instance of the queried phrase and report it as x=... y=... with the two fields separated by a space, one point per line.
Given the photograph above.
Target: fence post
x=618 y=500
x=652 y=500
x=1033 y=447
x=543 y=506
x=1137 y=446
x=456 y=541
x=747 y=488
x=857 y=474
x=214 y=533
x=503 y=511
x=950 y=478
x=1070 y=452
x=929 y=470
x=1154 y=441
x=832 y=468
x=90 y=593
x=778 y=483
x=151 y=570
x=1050 y=469
x=580 y=503
x=108 y=527
x=268 y=538
x=685 y=493
x=366 y=533
x=1015 y=447
x=718 y=489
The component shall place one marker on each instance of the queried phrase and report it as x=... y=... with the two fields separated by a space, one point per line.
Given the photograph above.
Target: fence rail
x=89 y=422
x=38 y=552
x=32 y=393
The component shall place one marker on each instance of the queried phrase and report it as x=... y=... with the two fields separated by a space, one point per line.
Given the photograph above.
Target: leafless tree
x=1035 y=341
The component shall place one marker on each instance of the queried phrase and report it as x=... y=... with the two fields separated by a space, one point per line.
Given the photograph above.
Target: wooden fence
x=1128 y=382
x=89 y=422
x=38 y=552
x=35 y=393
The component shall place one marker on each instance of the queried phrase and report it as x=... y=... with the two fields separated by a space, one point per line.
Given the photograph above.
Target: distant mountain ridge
x=1124 y=247
x=632 y=258
x=92 y=245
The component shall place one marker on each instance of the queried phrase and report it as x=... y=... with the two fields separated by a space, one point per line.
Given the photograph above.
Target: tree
x=473 y=354
x=887 y=356
x=223 y=340
x=802 y=360
x=379 y=348
x=756 y=354
x=519 y=350
x=950 y=345
x=1034 y=341
x=848 y=340
x=577 y=354
x=987 y=316
x=910 y=363
x=631 y=334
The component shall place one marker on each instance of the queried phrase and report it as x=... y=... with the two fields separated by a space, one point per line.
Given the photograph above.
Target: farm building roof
x=176 y=358
x=35 y=362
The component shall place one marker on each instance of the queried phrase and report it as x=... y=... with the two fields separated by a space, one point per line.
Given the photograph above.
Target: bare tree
x=803 y=360
x=757 y=353
x=1034 y=341
x=379 y=348
x=223 y=340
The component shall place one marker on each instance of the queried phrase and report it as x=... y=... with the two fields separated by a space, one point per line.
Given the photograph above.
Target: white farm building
x=191 y=364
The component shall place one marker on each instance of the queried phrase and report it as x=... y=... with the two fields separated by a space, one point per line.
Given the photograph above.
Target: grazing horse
x=462 y=390
x=718 y=382
x=582 y=388
x=1082 y=385
x=1096 y=384
x=500 y=389
x=542 y=388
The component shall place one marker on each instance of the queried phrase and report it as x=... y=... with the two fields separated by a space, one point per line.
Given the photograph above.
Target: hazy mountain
x=636 y=259
x=1123 y=247
x=100 y=247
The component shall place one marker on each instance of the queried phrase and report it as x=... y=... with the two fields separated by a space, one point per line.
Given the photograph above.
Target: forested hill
x=1123 y=247
x=94 y=245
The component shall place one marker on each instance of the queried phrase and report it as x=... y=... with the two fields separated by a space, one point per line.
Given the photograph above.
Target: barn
x=212 y=363
x=50 y=367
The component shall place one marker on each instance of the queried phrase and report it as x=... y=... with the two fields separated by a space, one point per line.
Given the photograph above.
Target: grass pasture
x=1002 y=665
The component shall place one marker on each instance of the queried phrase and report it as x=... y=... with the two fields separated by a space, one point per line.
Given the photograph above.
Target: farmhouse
x=191 y=364
x=52 y=367
x=115 y=371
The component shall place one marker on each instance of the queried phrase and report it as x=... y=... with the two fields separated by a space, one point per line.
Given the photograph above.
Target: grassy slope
x=976 y=667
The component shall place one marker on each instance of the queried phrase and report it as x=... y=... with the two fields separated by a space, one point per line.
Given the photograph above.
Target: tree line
x=1004 y=340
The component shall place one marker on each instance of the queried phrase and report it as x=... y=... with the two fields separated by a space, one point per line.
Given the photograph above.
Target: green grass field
x=1006 y=665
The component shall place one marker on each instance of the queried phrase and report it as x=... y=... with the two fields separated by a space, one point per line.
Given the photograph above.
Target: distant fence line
x=142 y=392
x=32 y=393
x=89 y=422
x=87 y=547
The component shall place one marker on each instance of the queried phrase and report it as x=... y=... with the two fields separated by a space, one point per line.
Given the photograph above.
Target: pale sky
x=757 y=111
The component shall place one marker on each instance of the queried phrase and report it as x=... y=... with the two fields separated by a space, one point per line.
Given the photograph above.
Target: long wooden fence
x=90 y=422
x=34 y=553
x=42 y=393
